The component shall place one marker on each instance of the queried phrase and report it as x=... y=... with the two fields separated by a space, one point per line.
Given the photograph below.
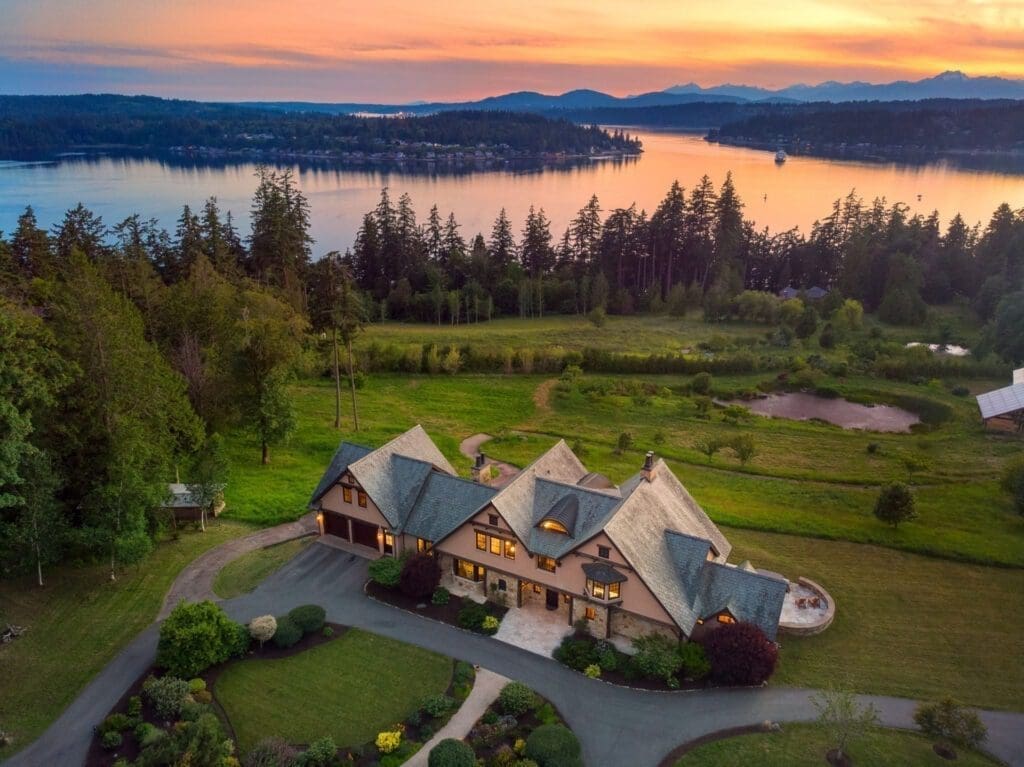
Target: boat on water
x=780 y=157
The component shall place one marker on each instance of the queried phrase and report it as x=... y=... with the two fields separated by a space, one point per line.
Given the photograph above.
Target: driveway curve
x=470 y=446
x=616 y=725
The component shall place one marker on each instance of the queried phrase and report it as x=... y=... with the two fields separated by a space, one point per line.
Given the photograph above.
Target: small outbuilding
x=810 y=294
x=183 y=503
x=1004 y=407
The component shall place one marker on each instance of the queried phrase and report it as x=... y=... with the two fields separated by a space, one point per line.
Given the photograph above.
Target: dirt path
x=542 y=395
x=195 y=582
x=470 y=446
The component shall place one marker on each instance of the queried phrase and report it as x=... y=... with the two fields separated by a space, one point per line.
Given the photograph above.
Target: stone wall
x=598 y=626
x=506 y=596
x=631 y=626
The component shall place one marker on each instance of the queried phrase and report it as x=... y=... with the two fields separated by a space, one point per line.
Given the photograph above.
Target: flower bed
x=447 y=612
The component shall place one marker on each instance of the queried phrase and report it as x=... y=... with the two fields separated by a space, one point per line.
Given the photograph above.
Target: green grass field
x=77 y=622
x=350 y=688
x=243 y=574
x=805 y=745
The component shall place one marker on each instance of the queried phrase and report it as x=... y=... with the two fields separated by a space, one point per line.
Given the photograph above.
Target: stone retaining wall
x=826 y=619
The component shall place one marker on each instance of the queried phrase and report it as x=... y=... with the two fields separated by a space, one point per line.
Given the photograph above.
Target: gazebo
x=1005 y=406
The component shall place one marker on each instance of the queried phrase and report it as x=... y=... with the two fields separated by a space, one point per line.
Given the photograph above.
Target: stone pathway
x=485 y=691
x=533 y=628
x=470 y=446
x=195 y=582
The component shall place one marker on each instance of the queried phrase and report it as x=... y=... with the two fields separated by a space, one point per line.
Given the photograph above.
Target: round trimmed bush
x=197 y=684
x=740 y=654
x=288 y=632
x=451 y=753
x=196 y=636
x=262 y=628
x=111 y=739
x=553 y=745
x=516 y=698
x=309 y=618
x=420 y=576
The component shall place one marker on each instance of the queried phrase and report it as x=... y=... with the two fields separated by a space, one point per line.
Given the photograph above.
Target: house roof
x=346 y=454
x=444 y=503
x=603 y=573
x=182 y=496
x=748 y=596
x=582 y=510
x=1003 y=401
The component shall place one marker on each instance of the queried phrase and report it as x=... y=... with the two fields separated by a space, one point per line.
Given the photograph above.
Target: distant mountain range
x=948 y=85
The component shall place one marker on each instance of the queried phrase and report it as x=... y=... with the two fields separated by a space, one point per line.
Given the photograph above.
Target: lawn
x=77 y=622
x=905 y=624
x=805 y=745
x=243 y=574
x=350 y=688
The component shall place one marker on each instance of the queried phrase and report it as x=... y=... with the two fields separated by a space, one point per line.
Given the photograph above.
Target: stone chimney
x=481 y=471
x=648 y=470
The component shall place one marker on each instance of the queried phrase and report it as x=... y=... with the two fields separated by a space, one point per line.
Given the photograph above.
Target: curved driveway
x=617 y=726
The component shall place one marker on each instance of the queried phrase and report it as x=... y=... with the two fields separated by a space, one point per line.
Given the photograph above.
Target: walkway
x=195 y=583
x=533 y=628
x=485 y=691
x=616 y=725
x=470 y=446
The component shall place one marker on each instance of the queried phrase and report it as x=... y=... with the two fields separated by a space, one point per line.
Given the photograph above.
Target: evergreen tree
x=502 y=244
x=537 y=254
x=279 y=245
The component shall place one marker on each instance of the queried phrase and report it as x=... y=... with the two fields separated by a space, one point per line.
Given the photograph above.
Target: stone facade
x=631 y=626
x=503 y=596
x=598 y=625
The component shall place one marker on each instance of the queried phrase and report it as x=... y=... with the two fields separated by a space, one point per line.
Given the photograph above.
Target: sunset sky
x=403 y=50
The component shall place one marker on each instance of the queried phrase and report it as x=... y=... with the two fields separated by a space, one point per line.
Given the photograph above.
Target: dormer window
x=604 y=582
x=554 y=526
x=561 y=518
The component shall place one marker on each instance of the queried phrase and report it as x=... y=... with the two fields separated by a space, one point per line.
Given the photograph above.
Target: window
x=495 y=545
x=546 y=563
x=602 y=590
x=346 y=493
x=566 y=598
x=423 y=545
x=554 y=526
x=510 y=549
x=536 y=588
x=362 y=499
x=481 y=541
x=493 y=519
x=502 y=584
x=604 y=552
x=723 y=618
x=389 y=543
x=590 y=613
x=468 y=570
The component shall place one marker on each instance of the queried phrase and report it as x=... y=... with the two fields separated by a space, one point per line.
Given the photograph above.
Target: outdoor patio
x=533 y=628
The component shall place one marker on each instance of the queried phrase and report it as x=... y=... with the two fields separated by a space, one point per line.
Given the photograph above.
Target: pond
x=800 y=406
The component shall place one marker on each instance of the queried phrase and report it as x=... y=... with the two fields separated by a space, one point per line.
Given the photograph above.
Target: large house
x=631 y=560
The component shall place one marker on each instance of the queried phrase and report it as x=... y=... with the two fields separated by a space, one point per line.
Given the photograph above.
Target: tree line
x=125 y=348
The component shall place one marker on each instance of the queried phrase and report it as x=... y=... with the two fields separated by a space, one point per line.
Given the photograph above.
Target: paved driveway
x=616 y=725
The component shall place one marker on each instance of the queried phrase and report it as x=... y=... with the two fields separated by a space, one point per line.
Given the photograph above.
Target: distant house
x=1004 y=407
x=811 y=294
x=630 y=560
x=183 y=505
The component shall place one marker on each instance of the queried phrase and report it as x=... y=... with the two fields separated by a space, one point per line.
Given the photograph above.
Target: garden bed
x=445 y=613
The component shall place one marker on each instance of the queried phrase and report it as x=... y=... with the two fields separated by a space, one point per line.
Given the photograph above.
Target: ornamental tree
x=895 y=504
x=843 y=718
x=263 y=628
x=740 y=654
x=420 y=576
x=950 y=722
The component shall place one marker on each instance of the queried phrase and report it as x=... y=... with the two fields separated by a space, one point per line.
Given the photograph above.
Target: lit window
x=554 y=526
x=723 y=618
x=590 y=613
x=613 y=590
x=493 y=519
x=468 y=570
x=423 y=545
x=596 y=589
x=536 y=588
x=546 y=563
x=346 y=493
x=389 y=543
x=510 y=549
x=604 y=552
x=481 y=541
x=362 y=499
x=496 y=545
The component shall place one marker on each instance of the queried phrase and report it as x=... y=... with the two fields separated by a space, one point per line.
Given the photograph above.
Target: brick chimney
x=481 y=471
x=648 y=470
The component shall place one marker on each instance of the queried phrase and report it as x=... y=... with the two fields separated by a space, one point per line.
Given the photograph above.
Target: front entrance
x=335 y=524
x=364 y=533
x=551 y=599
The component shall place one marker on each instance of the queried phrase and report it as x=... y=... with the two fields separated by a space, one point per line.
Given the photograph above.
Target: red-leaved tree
x=420 y=576
x=740 y=653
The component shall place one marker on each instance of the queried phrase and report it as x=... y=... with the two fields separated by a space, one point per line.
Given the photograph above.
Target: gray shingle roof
x=346 y=454
x=603 y=573
x=1003 y=401
x=443 y=504
x=748 y=596
x=592 y=510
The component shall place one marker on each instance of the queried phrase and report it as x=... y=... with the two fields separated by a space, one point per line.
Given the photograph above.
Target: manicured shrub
x=740 y=654
x=553 y=745
x=948 y=721
x=576 y=653
x=205 y=697
x=441 y=596
x=167 y=694
x=420 y=576
x=895 y=504
x=196 y=636
x=241 y=641
x=607 y=659
x=135 y=707
x=516 y=698
x=546 y=714
x=271 y=752
x=490 y=625
x=288 y=632
x=437 y=705
x=328 y=631
x=593 y=671
x=309 y=618
x=503 y=757
x=386 y=571
x=451 y=753
x=472 y=615
x=695 y=664
x=147 y=734
x=196 y=684
x=201 y=743
x=114 y=723
x=388 y=741
x=111 y=739
x=262 y=628
x=321 y=753
x=657 y=657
